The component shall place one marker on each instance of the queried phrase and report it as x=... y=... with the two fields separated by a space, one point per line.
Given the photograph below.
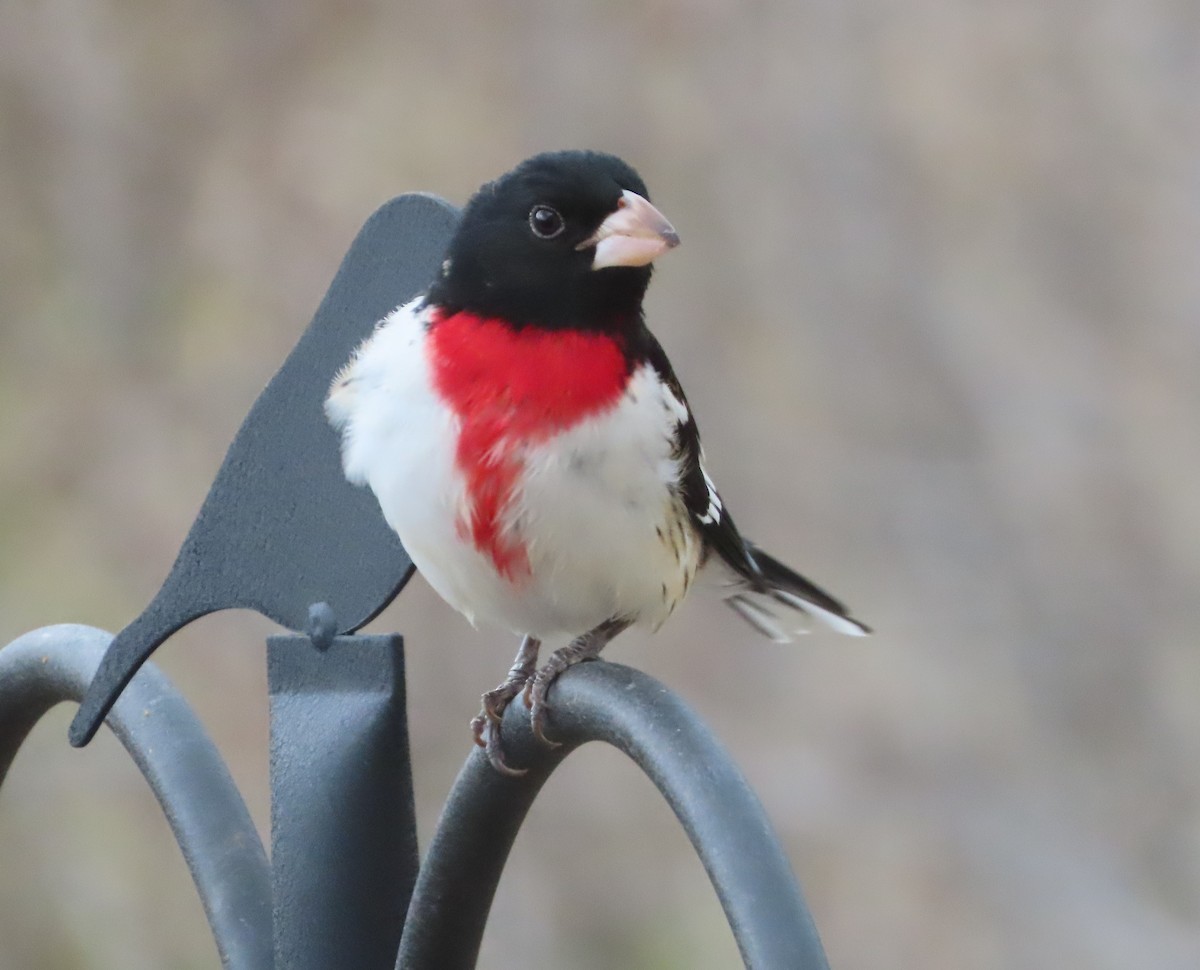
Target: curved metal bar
x=726 y=823
x=173 y=752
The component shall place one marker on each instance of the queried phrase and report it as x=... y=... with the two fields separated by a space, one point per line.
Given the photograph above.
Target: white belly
x=601 y=532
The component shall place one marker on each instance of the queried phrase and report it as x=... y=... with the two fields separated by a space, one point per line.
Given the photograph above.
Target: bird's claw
x=485 y=726
x=493 y=747
x=535 y=700
x=479 y=729
x=533 y=682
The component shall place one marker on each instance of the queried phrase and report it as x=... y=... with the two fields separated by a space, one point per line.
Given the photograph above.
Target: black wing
x=700 y=497
x=761 y=572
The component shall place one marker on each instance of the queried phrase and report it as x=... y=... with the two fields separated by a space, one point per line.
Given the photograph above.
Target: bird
x=527 y=439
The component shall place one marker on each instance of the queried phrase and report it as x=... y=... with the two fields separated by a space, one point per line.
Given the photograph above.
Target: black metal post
x=344 y=842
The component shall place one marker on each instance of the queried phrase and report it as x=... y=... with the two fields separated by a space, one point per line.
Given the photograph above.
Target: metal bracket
x=343 y=826
x=281 y=528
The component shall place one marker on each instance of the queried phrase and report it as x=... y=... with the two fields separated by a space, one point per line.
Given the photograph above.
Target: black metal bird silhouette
x=282 y=531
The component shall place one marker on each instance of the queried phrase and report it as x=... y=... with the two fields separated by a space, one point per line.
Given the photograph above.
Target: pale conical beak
x=634 y=235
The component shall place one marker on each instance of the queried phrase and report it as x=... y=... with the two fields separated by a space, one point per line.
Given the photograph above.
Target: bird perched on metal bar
x=530 y=444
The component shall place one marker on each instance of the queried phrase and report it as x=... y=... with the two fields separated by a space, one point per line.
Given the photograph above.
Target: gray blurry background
x=938 y=311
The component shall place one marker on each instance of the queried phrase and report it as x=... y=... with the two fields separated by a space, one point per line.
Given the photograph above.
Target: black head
x=563 y=240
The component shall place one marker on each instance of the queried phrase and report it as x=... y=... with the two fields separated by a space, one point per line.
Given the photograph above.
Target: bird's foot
x=586 y=647
x=487 y=736
x=485 y=726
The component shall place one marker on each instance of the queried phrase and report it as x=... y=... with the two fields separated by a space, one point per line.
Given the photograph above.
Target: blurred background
x=938 y=312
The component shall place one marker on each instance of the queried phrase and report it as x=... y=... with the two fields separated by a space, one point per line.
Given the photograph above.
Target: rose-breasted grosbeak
x=527 y=439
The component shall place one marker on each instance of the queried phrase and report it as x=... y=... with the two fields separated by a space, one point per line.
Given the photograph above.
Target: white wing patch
x=674 y=405
x=713 y=513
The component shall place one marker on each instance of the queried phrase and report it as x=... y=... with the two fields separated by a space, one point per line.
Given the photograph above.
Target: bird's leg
x=586 y=647
x=486 y=724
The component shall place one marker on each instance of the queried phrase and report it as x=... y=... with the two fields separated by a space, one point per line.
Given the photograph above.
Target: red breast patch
x=512 y=388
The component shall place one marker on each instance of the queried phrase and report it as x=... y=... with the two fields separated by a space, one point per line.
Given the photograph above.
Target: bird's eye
x=545 y=221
